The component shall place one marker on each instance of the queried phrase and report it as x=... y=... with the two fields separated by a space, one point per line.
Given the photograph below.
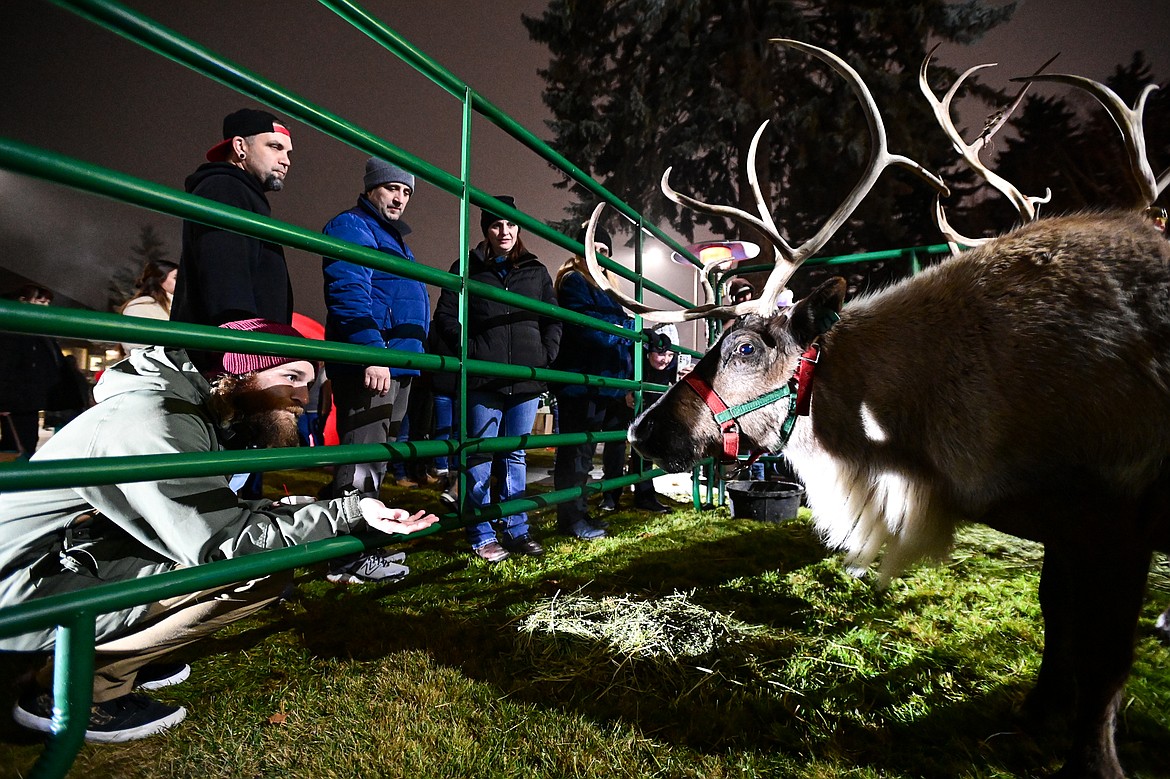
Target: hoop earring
x=243 y=156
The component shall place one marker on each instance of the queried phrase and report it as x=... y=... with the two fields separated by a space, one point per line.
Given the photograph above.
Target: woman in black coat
x=499 y=332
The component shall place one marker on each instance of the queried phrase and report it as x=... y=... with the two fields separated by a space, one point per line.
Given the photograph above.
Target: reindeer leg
x=1091 y=592
x=1054 y=695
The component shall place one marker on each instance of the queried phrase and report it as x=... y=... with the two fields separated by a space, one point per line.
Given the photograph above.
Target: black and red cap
x=244 y=123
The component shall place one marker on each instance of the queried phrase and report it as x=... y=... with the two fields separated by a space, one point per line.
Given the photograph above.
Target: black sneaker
x=608 y=503
x=158 y=675
x=128 y=718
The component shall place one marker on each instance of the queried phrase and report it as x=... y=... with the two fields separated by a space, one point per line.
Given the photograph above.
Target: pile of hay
x=638 y=644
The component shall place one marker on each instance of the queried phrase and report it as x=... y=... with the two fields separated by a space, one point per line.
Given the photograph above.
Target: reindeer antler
x=1128 y=121
x=1025 y=205
x=787 y=257
x=645 y=310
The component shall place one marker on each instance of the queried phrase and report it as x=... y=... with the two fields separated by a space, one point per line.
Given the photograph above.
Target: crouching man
x=62 y=540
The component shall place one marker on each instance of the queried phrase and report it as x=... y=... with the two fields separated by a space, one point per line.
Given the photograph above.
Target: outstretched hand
x=381 y=517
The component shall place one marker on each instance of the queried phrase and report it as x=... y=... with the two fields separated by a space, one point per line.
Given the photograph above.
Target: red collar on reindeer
x=798 y=390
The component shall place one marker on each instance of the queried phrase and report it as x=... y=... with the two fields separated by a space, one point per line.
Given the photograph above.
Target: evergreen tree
x=124 y=279
x=641 y=85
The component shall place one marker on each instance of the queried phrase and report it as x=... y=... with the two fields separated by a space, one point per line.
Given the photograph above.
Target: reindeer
x=1023 y=384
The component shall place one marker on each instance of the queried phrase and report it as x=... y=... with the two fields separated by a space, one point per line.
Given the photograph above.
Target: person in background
x=153 y=293
x=372 y=307
x=71 y=395
x=227 y=276
x=311 y=424
x=740 y=290
x=500 y=332
x=659 y=366
x=417 y=425
x=67 y=539
x=582 y=408
x=34 y=377
x=445 y=394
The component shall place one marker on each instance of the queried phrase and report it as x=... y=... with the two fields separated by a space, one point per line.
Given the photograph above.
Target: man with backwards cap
x=372 y=307
x=66 y=539
x=225 y=276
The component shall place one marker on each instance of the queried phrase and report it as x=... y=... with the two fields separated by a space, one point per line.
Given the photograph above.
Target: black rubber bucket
x=767 y=501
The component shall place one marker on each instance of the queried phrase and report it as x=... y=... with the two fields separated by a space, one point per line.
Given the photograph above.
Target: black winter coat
x=500 y=332
x=31 y=370
x=224 y=276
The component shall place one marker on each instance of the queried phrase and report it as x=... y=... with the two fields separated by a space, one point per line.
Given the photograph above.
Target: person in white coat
x=66 y=539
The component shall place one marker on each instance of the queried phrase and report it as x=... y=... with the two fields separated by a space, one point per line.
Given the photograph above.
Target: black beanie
x=487 y=218
x=600 y=236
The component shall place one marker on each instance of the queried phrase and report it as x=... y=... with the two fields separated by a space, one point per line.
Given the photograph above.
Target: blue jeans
x=490 y=415
x=444 y=428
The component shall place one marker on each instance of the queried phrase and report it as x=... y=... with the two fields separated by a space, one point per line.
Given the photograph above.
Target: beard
x=268 y=429
x=256 y=418
x=273 y=183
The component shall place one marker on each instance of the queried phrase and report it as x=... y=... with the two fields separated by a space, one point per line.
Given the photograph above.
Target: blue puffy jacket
x=586 y=350
x=371 y=307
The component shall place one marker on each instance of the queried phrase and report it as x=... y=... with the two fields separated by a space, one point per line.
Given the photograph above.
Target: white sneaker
x=375 y=566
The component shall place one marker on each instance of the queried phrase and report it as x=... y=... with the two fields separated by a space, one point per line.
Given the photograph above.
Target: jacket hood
x=210 y=169
x=157 y=369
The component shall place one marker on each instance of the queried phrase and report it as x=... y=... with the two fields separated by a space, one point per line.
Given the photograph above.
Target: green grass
x=685 y=645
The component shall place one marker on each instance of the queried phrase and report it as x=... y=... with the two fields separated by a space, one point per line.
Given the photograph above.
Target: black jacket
x=31 y=370
x=500 y=332
x=225 y=276
x=442 y=382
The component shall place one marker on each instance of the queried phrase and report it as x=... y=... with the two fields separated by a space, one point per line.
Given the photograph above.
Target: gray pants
x=364 y=417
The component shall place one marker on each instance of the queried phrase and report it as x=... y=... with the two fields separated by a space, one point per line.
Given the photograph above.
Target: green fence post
x=72 y=696
x=460 y=420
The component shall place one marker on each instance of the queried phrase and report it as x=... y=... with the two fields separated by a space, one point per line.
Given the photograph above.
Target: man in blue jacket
x=372 y=307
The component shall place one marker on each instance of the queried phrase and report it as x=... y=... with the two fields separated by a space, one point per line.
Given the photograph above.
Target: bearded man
x=66 y=539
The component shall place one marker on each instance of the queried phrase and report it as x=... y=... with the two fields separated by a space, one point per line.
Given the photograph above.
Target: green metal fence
x=74 y=615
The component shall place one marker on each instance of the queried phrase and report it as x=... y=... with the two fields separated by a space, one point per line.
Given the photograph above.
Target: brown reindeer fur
x=1024 y=384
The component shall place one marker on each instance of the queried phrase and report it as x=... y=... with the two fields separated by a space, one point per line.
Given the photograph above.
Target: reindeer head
x=743 y=371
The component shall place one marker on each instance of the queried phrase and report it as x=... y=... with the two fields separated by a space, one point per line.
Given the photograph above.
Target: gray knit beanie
x=379 y=172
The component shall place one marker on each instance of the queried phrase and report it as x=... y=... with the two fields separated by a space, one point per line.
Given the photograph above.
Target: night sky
x=75 y=88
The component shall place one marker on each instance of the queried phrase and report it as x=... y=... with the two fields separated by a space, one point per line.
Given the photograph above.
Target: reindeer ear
x=818 y=312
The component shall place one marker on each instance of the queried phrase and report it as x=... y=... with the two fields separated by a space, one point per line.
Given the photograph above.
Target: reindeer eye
x=745 y=349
